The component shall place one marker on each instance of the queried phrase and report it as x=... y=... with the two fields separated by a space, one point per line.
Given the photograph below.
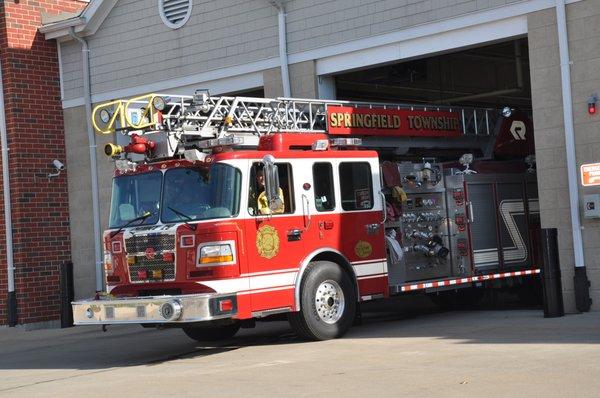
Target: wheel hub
x=329 y=301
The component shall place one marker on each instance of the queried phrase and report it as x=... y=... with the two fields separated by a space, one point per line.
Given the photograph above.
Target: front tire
x=327 y=302
x=213 y=333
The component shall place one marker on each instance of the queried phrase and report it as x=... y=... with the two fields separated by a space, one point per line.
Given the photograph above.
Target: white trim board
x=216 y=81
x=419 y=46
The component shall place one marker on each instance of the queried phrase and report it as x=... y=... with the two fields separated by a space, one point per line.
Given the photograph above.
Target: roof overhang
x=84 y=24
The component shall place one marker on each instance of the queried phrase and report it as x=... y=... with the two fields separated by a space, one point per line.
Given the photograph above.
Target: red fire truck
x=230 y=209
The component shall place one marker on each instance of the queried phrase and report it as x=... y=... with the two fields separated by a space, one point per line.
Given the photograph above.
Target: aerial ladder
x=203 y=120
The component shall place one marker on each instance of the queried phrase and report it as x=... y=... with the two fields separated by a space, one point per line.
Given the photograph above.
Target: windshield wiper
x=180 y=214
x=128 y=223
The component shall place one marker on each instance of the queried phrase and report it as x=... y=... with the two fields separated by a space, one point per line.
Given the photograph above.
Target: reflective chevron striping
x=449 y=282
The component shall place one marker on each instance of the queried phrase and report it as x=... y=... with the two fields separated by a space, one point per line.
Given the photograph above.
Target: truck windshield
x=132 y=196
x=200 y=193
x=188 y=194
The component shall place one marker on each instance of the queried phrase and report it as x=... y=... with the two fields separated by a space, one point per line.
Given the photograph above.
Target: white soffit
x=419 y=46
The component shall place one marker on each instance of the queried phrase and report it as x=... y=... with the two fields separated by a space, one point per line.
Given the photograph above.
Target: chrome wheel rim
x=329 y=301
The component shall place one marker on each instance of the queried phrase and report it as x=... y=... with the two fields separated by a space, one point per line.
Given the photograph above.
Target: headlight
x=216 y=254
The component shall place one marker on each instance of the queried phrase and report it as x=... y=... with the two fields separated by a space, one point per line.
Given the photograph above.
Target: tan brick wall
x=584 y=48
x=272 y=83
x=303 y=81
x=80 y=197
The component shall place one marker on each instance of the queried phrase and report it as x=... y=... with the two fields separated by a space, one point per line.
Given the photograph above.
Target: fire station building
x=537 y=56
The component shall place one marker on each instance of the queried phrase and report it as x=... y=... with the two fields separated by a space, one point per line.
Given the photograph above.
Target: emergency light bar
x=320 y=145
x=124 y=165
x=323 y=145
x=346 y=142
x=194 y=155
x=223 y=141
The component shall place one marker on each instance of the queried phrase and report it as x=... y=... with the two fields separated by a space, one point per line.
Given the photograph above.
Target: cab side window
x=356 y=186
x=323 y=181
x=257 y=201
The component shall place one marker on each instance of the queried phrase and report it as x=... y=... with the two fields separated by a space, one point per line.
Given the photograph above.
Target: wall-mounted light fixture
x=592 y=104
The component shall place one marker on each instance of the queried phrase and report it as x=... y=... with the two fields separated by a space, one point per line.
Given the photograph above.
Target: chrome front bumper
x=157 y=309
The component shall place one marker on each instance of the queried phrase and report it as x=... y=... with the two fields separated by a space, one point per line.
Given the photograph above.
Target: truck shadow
x=498 y=322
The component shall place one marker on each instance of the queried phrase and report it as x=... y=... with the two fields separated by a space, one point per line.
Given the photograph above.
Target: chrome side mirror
x=271 y=182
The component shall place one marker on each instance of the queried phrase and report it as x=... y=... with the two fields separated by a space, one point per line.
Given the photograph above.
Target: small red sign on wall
x=346 y=120
x=590 y=174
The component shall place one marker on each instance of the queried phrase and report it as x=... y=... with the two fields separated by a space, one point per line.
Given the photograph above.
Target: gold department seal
x=267 y=241
x=363 y=249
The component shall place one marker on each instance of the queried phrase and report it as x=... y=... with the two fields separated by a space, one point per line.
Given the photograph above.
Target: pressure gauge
x=105 y=115
x=159 y=103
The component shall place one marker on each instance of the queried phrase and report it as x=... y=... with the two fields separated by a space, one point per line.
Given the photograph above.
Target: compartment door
x=484 y=225
x=514 y=229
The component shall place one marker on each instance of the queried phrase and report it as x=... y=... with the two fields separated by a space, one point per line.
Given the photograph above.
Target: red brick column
x=34 y=122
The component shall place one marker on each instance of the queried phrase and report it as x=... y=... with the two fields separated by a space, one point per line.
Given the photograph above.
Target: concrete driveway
x=403 y=348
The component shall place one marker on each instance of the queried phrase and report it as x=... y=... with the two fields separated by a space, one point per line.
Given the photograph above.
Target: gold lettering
x=368 y=121
x=396 y=121
x=360 y=120
x=333 y=120
x=447 y=123
x=418 y=123
x=347 y=122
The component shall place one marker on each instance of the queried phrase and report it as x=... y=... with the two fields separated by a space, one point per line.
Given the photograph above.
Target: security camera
x=58 y=165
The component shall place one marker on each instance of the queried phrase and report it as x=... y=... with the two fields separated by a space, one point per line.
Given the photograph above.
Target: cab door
x=362 y=229
x=346 y=217
x=275 y=241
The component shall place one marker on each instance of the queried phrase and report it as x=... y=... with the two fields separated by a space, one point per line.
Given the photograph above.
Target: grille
x=144 y=264
x=139 y=244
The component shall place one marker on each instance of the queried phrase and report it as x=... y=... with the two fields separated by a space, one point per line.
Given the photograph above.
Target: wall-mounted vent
x=175 y=13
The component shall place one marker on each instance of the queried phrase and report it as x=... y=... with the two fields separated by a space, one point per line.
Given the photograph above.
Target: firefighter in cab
x=261 y=200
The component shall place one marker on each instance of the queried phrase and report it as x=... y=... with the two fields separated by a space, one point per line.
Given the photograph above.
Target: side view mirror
x=271 y=182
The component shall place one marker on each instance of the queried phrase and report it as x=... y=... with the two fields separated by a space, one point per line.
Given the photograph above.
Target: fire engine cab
x=229 y=209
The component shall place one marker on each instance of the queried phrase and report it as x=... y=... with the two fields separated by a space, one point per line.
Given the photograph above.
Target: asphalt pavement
x=405 y=347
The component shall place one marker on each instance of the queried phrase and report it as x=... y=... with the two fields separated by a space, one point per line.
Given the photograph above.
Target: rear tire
x=213 y=333
x=327 y=302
